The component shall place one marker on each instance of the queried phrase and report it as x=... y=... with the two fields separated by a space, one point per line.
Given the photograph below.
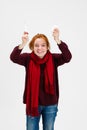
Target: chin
x=40 y=56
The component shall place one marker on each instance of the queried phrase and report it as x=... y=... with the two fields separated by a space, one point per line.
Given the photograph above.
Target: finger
x=25 y=32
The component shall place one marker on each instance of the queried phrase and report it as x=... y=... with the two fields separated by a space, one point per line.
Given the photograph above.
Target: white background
x=40 y=16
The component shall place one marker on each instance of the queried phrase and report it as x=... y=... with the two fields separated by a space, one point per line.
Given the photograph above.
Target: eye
x=36 y=45
x=43 y=45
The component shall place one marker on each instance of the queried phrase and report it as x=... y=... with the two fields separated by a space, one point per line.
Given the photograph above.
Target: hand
x=25 y=39
x=56 y=35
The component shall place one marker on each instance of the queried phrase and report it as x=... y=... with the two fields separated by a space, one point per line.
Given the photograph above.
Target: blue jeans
x=48 y=118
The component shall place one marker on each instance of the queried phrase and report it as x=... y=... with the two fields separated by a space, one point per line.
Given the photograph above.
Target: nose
x=39 y=47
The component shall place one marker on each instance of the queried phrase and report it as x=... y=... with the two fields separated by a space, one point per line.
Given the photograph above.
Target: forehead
x=40 y=40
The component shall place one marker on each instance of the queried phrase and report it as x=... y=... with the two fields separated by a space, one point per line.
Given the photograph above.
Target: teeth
x=39 y=52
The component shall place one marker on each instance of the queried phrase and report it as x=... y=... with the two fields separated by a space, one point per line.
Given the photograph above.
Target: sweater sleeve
x=19 y=58
x=65 y=55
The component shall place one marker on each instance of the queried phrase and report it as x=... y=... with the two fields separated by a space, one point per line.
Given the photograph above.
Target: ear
x=48 y=48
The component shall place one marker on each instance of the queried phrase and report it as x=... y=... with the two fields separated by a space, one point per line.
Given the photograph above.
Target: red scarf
x=34 y=81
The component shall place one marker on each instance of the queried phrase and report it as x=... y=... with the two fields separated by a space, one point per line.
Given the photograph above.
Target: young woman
x=41 y=93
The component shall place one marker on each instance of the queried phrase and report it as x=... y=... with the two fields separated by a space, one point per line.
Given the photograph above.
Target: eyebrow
x=38 y=43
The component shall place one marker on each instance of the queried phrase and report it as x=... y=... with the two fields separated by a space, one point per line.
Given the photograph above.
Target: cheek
x=35 y=48
x=46 y=49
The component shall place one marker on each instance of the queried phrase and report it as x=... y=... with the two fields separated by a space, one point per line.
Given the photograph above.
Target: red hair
x=31 y=43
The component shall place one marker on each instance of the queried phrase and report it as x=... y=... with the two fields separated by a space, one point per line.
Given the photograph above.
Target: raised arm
x=16 y=55
x=65 y=55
